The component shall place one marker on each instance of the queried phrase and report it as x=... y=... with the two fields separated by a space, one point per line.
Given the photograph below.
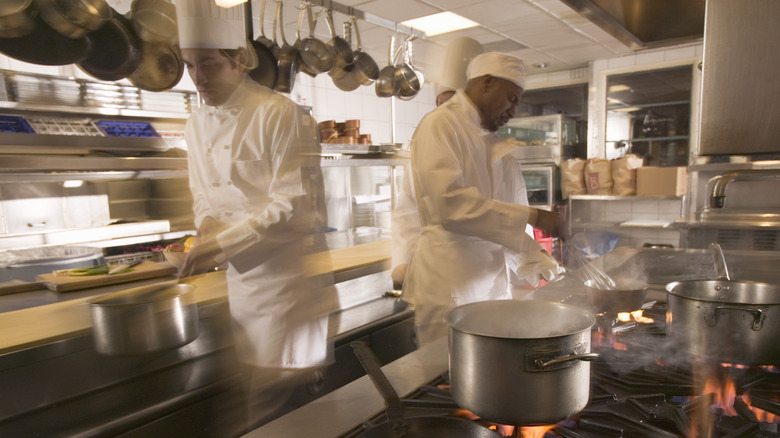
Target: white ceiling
x=538 y=31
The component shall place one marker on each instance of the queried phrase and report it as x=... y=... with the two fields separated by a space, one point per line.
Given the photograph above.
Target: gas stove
x=640 y=387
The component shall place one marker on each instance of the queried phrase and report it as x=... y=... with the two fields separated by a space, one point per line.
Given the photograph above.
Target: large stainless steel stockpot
x=520 y=362
x=725 y=320
x=145 y=319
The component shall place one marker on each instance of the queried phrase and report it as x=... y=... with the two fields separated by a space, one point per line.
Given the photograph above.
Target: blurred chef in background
x=405 y=220
x=257 y=189
x=472 y=201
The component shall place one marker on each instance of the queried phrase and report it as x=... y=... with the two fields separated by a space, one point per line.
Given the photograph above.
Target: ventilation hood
x=643 y=24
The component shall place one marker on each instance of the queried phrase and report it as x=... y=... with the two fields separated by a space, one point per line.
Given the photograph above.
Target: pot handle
x=558 y=360
x=711 y=315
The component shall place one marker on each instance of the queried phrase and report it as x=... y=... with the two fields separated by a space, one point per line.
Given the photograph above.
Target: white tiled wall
x=602 y=214
x=375 y=113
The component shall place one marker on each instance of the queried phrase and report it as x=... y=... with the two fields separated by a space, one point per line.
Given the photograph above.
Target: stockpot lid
x=527 y=319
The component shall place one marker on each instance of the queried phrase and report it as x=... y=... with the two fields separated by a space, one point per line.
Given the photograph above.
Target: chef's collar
x=234 y=103
x=472 y=112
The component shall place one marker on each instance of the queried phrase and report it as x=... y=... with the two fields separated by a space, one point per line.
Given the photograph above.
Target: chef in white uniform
x=253 y=166
x=470 y=198
x=405 y=220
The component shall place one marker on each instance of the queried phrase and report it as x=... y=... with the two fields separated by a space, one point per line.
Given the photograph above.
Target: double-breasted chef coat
x=250 y=167
x=473 y=214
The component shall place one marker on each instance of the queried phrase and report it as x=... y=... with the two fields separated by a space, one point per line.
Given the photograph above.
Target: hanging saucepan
x=385 y=85
x=73 y=18
x=398 y=425
x=408 y=78
x=316 y=56
x=16 y=18
x=267 y=71
x=342 y=51
x=344 y=78
x=116 y=50
x=520 y=362
x=161 y=67
x=288 y=56
x=365 y=69
x=262 y=39
x=44 y=46
x=154 y=20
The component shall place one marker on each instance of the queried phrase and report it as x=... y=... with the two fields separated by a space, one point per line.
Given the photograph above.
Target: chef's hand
x=398 y=274
x=550 y=223
x=203 y=257
x=538 y=265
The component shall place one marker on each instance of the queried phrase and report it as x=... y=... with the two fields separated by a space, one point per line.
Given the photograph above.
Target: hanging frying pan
x=365 y=69
x=345 y=77
x=116 y=50
x=160 y=68
x=342 y=51
x=16 y=18
x=267 y=71
x=288 y=56
x=44 y=46
x=397 y=425
x=264 y=40
x=73 y=18
x=316 y=56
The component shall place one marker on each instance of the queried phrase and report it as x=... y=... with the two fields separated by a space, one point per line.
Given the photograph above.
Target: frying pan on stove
x=44 y=46
x=399 y=426
x=116 y=50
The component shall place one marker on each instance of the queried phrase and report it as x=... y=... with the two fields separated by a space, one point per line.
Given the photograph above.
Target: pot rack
x=348 y=11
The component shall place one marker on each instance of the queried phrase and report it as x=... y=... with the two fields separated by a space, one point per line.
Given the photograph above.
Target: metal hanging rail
x=370 y=18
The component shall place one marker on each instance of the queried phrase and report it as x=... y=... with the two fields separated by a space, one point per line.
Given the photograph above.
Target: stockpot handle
x=558 y=360
x=711 y=315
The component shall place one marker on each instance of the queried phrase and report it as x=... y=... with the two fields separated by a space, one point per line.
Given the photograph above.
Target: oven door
x=542 y=181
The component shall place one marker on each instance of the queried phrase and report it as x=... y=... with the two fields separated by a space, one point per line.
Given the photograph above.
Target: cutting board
x=63 y=283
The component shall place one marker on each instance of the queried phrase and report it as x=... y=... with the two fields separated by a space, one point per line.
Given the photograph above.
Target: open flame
x=634 y=316
x=721 y=385
x=535 y=431
x=506 y=430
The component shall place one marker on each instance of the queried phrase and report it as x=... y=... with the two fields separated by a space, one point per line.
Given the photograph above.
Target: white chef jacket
x=470 y=195
x=405 y=221
x=250 y=167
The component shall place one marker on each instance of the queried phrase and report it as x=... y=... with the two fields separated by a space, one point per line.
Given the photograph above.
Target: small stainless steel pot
x=726 y=321
x=144 y=320
x=520 y=362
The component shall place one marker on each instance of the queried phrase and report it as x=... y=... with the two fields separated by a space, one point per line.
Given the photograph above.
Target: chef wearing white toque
x=256 y=185
x=471 y=200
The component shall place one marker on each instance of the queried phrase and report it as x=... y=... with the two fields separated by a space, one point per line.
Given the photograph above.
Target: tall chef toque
x=499 y=65
x=457 y=57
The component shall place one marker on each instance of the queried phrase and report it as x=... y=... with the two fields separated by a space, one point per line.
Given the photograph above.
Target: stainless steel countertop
x=341 y=410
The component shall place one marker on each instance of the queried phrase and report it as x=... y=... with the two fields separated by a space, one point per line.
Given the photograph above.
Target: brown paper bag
x=624 y=175
x=598 y=176
x=572 y=181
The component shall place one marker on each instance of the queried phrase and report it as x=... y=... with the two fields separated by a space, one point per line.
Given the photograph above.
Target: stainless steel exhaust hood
x=643 y=24
x=740 y=105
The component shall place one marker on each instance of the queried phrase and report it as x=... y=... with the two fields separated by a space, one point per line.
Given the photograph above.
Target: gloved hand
x=538 y=265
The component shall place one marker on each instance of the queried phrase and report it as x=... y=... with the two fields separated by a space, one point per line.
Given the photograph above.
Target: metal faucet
x=720 y=182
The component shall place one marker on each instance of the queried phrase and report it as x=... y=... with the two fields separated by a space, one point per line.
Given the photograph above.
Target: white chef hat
x=498 y=65
x=204 y=25
x=460 y=52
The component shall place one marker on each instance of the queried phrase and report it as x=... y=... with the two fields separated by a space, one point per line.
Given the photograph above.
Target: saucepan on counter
x=145 y=319
x=522 y=363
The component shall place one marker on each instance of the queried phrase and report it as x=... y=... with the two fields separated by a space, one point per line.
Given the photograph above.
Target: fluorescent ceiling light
x=629 y=109
x=71 y=183
x=228 y=3
x=440 y=23
x=618 y=88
